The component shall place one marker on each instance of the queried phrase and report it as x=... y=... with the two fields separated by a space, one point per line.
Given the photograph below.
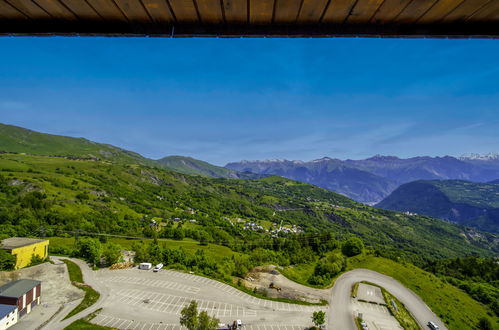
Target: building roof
x=16 y=289
x=298 y=18
x=17 y=242
x=6 y=310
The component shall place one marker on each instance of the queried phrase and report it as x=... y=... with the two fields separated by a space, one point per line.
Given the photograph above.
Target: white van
x=145 y=266
x=157 y=268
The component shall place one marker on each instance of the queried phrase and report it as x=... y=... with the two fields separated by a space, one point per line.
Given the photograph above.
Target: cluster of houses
x=253 y=226
x=18 y=298
x=274 y=232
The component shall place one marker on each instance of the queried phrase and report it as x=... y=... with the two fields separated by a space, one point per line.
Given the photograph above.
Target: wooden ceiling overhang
x=252 y=18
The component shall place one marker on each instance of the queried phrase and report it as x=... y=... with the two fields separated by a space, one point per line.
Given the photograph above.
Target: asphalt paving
x=170 y=290
x=340 y=315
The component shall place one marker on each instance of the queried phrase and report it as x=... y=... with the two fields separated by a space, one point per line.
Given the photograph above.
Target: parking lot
x=371 y=304
x=370 y=293
x=140 y=299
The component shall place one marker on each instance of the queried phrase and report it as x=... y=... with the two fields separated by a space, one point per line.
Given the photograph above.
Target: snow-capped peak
x=476 y=156
x=323 y=159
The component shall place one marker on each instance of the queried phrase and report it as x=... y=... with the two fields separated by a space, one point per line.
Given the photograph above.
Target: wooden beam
x=236 y=11
x=389 y=10
x=158 y=10
x=83 y=9
x=210 y=11
x=363 y=11
x=56 y=9
x=286 y=11
x=261 y=11
x=8 y=11
x=338 y=11
x=489 y=12
x=464 y=10
x=134 y=10
x=184 y=10
x=312 y=11
x=439 y=10
x=29 y=9
x=414 y=11
x=108 y=10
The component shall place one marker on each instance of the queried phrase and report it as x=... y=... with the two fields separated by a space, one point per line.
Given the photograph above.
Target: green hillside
x=62 y=194
x=15 y=139
x=188 y=165
x=467 y=203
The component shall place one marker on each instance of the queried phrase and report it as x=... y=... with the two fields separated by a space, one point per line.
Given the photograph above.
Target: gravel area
x=58 y=295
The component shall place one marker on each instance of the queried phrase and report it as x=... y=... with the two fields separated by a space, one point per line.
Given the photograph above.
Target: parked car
x=157 y=268
x=433 y=326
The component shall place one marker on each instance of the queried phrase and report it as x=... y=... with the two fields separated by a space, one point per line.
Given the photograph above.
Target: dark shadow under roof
x=252 y=18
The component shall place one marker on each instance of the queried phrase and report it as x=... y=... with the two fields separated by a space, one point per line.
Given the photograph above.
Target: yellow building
x=25 y=248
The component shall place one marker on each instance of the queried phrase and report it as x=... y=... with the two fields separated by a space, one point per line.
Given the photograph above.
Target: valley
x=225 y=228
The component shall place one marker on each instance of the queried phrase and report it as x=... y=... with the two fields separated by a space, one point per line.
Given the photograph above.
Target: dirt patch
x=56 y=291
x=268 y=279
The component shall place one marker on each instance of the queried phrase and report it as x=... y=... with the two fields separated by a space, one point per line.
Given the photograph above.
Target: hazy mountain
x=463 y=202
x=188 y=165
x=372 y=179
x=331 y=174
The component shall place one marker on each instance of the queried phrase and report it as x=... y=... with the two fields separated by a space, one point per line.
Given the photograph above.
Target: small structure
x=25 y=248
x=22 y=294
x=8 y=316
x=145 y=265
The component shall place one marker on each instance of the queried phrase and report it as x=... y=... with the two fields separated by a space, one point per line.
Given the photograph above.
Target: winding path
x=340 y=315
x=57 y=323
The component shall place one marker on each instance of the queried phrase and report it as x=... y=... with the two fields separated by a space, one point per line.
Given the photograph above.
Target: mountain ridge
x=372 y=179
x=462 y=202
x=21 y=140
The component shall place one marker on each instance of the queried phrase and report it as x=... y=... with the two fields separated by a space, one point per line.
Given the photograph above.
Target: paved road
x=340 y=313
x=57 y=323
x=340 y=316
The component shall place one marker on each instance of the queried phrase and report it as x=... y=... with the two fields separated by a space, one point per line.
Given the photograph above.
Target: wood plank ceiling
x=233 y=18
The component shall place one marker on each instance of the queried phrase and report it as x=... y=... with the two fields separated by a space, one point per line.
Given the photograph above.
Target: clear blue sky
x=224 y=100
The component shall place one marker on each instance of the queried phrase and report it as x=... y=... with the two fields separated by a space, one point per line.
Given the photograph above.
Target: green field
x=189 y=245
x=85 y=325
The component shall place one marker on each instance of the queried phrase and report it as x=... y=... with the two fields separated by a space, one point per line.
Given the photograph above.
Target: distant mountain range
x=188 y=165
x=371 y=180
x=463 y=202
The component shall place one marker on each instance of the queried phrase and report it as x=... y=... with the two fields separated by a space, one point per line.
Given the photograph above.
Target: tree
x=111 y=253
x=89 y=249
x=319 y=318
x=207 y=322
x=7 y=260
x=485 y=324
x=189 y=316
x=352 y=247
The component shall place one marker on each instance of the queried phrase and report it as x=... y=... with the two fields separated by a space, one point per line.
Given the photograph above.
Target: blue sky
x=224 y=100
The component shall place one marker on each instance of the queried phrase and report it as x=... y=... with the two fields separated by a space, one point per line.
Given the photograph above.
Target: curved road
x=57 y=322
x=341 y=312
